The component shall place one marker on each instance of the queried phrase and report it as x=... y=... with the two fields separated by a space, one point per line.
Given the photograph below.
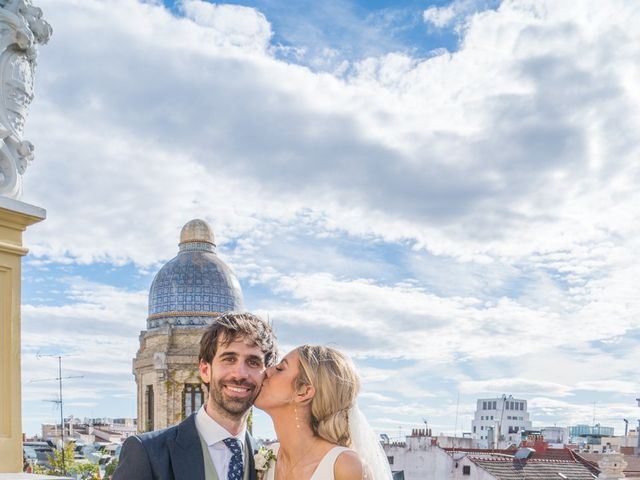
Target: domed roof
x=196 y=285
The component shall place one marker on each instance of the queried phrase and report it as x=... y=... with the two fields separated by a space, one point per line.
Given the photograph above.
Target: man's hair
x=230 y=327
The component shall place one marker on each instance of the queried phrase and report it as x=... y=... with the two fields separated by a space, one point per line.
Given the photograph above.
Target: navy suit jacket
x=171 y=454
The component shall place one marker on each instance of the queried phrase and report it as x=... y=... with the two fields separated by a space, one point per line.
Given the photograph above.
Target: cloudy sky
x=448 y=191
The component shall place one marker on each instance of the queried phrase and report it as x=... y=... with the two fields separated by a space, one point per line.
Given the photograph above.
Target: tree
x=85 y=471
x=110 y=468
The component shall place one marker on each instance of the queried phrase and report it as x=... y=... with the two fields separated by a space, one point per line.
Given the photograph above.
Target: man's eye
x=255 y=363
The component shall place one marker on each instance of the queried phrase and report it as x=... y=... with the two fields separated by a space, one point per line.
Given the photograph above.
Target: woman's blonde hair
x=336 y=383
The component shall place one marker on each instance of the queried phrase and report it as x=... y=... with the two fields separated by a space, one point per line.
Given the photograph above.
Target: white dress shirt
x=214 y=434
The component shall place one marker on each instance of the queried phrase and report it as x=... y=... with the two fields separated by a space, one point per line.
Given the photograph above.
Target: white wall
x=500 y=414
x=420 y=460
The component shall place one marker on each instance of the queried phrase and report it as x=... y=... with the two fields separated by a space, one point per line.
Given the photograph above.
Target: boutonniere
x=263 y=461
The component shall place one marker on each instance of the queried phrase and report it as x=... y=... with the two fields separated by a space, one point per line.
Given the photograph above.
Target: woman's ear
x=305 y=393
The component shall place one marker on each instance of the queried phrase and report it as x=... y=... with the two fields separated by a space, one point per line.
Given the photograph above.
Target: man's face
x=234 y=376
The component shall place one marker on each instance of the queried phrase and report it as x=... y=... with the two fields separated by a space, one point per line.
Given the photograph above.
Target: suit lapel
x=252 y=449
x=185 y=452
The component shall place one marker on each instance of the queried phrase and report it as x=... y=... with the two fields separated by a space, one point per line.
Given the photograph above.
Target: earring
x=295 y=412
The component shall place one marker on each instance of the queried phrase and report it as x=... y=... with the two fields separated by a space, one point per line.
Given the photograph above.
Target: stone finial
x=612 y=466
x=21 y=29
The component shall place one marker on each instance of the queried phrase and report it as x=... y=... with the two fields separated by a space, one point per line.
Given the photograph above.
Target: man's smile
x=238 y=390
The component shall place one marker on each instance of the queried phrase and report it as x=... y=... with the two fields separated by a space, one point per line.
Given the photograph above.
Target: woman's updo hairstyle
x=336 y=382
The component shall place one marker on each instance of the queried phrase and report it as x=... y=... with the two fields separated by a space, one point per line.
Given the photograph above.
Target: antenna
x=455 y=430
x=59 y=378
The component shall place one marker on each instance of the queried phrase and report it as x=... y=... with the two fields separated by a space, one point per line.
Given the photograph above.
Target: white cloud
x=96 y=332
x=516 y=386
x=576 y=414
x=455 y=12
x=234 y=25
x=490 y=151
x=505 y=172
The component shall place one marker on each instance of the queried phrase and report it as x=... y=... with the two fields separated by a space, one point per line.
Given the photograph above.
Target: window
x=484 y=405
x=149 y=405
x=390 y=460
x=466 y=469
x=494 y=406
x=481 y=427
x=491 y=417
x=192 y=398
x=474 y=429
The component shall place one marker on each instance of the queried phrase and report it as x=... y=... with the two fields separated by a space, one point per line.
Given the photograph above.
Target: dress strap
x=324 y=470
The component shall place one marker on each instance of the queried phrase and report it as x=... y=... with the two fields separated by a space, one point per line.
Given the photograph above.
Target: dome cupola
x=195 y=286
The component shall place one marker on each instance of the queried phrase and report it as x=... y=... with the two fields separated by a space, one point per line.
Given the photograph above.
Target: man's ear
x=305 y=393
x=205 y=371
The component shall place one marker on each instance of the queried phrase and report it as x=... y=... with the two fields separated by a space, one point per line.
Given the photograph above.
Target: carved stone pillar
x=15 y=217
x=612 y=466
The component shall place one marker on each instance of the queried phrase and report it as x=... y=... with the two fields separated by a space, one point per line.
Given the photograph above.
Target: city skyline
x=445 y=190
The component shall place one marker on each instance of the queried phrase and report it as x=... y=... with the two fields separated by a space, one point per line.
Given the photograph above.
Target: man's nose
x=241 y=370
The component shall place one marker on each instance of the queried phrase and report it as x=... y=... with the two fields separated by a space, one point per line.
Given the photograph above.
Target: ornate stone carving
x=612 y=466
x=21 y=29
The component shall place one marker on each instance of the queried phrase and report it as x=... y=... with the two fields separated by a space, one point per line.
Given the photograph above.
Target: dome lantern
x=197 y=231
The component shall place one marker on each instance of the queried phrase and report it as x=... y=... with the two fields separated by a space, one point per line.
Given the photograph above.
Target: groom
x=212 y=444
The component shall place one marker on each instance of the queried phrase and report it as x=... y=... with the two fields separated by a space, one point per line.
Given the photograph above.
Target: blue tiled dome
x=196 y=285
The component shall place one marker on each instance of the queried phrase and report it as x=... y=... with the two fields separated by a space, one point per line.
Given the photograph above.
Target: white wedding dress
x=324 y=470
x=364 y=442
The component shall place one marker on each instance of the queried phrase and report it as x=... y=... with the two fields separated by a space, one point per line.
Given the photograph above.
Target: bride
x=311 y=398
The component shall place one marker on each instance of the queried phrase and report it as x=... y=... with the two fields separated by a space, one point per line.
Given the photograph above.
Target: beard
x=229 y=406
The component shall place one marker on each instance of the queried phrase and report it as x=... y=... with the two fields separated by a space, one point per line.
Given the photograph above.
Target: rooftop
x=511 y=469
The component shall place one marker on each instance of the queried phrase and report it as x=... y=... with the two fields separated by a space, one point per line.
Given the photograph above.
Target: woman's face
x=278 y=386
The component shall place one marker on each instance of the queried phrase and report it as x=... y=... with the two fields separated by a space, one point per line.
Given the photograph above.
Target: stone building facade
x=185 y=297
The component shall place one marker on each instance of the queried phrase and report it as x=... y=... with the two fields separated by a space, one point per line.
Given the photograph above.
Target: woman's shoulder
x=348 y=466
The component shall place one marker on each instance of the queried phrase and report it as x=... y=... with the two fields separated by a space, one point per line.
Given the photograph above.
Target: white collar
x=212 y=432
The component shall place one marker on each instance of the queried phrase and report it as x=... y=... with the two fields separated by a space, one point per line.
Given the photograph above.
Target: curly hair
x=230 y=327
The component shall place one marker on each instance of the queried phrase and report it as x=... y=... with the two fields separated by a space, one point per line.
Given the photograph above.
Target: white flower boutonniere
x=263 y=460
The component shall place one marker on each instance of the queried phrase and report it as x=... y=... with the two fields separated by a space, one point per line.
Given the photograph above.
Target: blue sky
x=445 y=190
x=354 y=30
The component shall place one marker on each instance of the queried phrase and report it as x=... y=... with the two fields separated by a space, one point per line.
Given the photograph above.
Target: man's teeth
x=237 y=389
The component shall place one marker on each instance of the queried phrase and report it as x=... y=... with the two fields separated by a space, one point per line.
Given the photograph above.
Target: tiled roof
x=563 y=454
x=484 y=451
x=556 y=454
x=506 y=469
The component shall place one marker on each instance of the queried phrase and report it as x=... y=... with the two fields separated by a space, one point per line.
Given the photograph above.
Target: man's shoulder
x=159 y=438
